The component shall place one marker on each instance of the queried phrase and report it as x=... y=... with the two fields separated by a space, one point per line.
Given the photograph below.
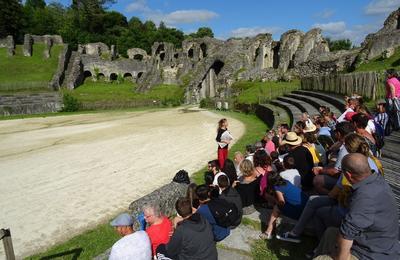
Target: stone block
x=28 y=45
x=166 y=196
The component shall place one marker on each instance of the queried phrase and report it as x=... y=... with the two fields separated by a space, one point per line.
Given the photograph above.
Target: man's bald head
x=356 y=164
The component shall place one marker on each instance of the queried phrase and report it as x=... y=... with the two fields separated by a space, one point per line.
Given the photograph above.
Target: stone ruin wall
x=208 y=67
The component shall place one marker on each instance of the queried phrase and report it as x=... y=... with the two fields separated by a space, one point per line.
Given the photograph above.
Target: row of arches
x=113 y=76
x=202 y=54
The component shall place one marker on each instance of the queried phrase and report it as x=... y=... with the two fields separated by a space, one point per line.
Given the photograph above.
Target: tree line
x=86 y=21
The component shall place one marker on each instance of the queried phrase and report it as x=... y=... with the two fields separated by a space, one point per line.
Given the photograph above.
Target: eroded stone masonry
x=207 y=66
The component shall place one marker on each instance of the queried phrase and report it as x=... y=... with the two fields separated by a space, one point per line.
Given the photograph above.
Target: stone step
x=333 y=99
x=303 y=106
x=293 y=111
x=315 y=102
x=281 y=115
x=229 y=254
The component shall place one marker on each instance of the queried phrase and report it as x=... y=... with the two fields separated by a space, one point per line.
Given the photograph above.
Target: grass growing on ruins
x=380 y=64
x=260 y=92
x=116 y=95
x=255 y=129
x=20 y=73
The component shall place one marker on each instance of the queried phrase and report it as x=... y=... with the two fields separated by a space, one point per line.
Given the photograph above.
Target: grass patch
x=254 y=130
x=277 y=249
x=117 y=94
x=27 y=73
x=260 y=92
x=85 y=246
x=251 y=223
x=380 y=64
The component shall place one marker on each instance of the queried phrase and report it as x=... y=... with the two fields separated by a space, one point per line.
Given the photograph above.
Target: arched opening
x=127 y=75
x=190 y=53
x=217 y=66
x=162 y=56
x=275 y=57
x=113 y=76
x=291 y=62
x=160 y=49
x=256 y=54
x=203 y=48
x=100 y=76
x=176 y=55
x=398 y=22
x=87 y=74
x=139 y=75
x=138 y=57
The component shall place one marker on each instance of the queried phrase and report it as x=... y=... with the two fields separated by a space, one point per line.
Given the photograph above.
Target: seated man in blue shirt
x=370 y=228
x=203 y=193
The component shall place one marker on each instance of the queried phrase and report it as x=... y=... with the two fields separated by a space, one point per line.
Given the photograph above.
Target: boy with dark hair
x=291 y=174
x=193 y=237
x=203 y=193
x=230 y=195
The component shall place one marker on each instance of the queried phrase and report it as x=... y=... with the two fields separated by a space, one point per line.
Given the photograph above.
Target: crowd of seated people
x=324 y=172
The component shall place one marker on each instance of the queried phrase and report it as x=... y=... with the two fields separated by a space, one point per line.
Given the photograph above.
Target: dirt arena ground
x=60 y=175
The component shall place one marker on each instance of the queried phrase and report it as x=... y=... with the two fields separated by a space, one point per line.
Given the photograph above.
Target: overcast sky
x=352 y=19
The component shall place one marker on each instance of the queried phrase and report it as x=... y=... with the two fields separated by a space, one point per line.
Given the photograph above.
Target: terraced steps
x=315 y=102
x=333 y=99
x=303 y=106
x=280 y=114
x=293 y=111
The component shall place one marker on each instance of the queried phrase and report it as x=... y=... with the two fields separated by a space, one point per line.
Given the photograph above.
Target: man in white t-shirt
x=133 y=245
x=291 y=174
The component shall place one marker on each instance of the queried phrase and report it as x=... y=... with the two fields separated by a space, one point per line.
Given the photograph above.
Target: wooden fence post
x=5 y=235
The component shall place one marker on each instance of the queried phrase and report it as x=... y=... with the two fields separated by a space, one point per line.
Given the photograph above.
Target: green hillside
x=20 y=73
x=380 y=64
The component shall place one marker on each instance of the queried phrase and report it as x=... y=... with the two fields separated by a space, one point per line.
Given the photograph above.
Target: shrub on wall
x=71 y=103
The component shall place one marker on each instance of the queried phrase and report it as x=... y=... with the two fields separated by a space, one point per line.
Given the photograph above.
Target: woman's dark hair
x=191 y=195
x=361 y=120
x=344 y=128
x=288 y=162
x=208 y=178
x=310 y=138
x=274 y=155
x=230 y=170
x=214 y=163
x=391 y=73
x=261 y=159
x=203 y=192
x=221 y=122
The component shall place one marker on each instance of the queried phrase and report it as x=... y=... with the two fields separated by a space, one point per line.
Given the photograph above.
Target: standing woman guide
x=223 y=139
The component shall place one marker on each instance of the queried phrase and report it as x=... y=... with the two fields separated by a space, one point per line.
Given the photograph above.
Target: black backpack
x=225 y=214
x=181 y=177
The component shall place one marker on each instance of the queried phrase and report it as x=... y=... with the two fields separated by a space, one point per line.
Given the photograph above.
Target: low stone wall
x=266 y=115
x=30 y=103
x=362 y=83
x=166 y=196
x=8 y=42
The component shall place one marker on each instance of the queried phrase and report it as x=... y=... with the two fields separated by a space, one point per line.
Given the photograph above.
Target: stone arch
x=127 y=75
x=217 y=66
x=291 y=62
x=113 y=76
x=87 y=73
x=162 y=56
x=275 y=56
x=101 y=76
x=191 y=53
x=203 y=48
x=160 y=49
x=176 y=55
x=256 y=53
x=138 y=57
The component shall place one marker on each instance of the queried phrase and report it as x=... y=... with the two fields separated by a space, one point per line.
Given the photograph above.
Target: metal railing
x=5 y=235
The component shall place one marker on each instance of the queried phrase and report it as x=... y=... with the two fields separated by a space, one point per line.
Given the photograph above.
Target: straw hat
x=292 y=138
x=310 y=127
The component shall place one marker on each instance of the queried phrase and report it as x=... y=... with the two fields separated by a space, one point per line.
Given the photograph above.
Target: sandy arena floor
x=60 y=175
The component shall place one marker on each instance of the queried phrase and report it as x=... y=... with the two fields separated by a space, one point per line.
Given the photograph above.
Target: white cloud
x=332 y=27
x=381 y=7
x=339 y=30
x=183 y=16
x=325 y=14
x=138 y=5
x=173 y=18
x=253 y=31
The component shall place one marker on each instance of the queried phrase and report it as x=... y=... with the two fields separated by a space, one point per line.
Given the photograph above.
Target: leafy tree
x=202 y=32
x=35 y=4
x=336 y=45
x=11 y=16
